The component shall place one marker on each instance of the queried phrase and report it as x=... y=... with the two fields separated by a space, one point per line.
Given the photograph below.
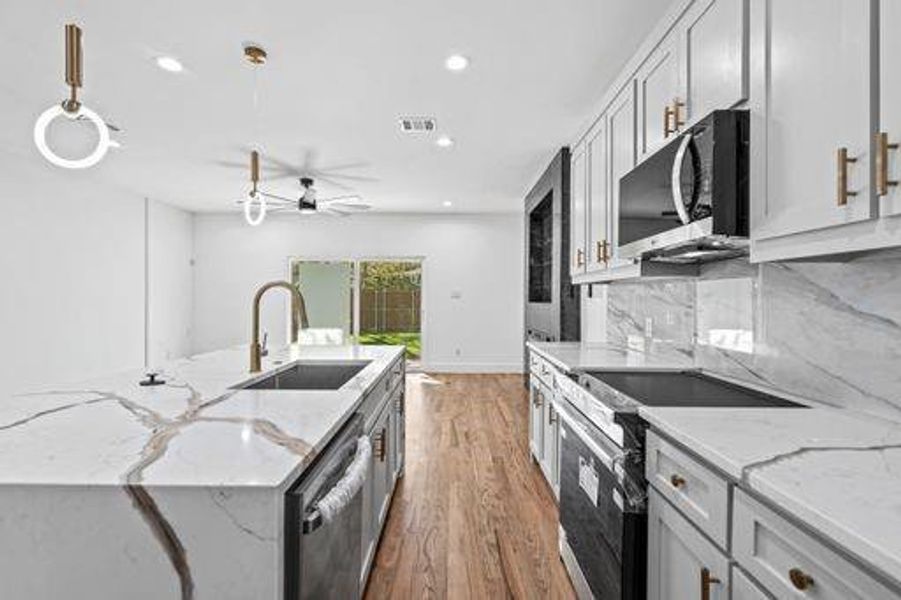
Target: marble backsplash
x=829 y=331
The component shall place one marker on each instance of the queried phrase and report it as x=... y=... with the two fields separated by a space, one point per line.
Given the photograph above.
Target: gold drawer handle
x=678 y=121
x=706 y=581
x=801 y=580
x=580 y=257
x=677 y=480
x=842 y=192
x=667 y=116
x=883 y=183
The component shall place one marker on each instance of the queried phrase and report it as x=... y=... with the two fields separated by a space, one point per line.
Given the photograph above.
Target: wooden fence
x=390 y=311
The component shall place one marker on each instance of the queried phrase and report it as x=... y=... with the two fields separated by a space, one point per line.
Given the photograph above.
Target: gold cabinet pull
x=842 y=191
x=883 y=183
x=667 y=117
x=538 y=397
x=677 y=480
x=801 y=580
x=606 y=246
x=383 y=444
x=551 y=415
x=580 y=257
x=599 y=252
x=678 y=120
x=706 y=581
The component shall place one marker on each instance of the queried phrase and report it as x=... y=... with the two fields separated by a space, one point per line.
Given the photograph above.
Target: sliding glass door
x=372 y=301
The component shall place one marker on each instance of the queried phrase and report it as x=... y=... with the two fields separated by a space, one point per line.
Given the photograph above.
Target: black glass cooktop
x=685 y=388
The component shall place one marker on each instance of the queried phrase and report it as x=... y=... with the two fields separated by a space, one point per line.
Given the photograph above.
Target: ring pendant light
x=256 y=56
x=254 y=195
x=72 y=109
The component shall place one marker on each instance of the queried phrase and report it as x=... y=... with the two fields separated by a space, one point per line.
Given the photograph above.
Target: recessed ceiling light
x=447 y=203
x=456 y=62
x=444 y=141
x=169 y=63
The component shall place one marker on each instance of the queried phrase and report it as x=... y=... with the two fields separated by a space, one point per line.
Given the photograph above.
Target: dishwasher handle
x=332 y=503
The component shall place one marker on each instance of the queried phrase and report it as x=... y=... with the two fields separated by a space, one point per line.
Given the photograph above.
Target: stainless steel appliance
x=552 y=302
x=603 y=492
x=688 y=202
x=323 y=520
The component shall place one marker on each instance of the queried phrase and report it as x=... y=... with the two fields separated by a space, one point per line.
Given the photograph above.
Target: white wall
x=170 y=289
x=72 y=275
x=475 y=257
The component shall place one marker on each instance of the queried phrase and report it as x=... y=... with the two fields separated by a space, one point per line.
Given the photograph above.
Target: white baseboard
x=472 y=368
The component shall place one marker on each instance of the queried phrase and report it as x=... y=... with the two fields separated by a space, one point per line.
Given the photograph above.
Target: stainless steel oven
x=603 y=520
x=688 y=202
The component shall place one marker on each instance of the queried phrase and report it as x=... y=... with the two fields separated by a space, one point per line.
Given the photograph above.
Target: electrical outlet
x=648 y=327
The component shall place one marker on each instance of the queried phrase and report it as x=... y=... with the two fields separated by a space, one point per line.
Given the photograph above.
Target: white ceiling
x=340 y=74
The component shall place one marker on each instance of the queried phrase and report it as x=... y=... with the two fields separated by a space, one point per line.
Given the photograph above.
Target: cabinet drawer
x=541 y=369
x=745 y=589
x=792 y=564
x=701 y=494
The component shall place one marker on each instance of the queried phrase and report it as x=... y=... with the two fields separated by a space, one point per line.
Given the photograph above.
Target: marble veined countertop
x=575 y=356
x=835 y=470
x=192 y=431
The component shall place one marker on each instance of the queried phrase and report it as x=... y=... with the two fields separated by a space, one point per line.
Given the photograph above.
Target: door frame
x=356 y=259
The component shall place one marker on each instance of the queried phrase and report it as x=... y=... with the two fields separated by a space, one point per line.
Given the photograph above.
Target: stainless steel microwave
x=688 y=202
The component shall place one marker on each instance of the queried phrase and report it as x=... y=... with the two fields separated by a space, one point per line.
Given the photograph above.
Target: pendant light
x=72 y=109
x=256 y=56
x=254 y=196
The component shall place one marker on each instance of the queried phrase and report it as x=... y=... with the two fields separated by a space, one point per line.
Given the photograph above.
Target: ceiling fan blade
x=277 y=197
x=331 y=210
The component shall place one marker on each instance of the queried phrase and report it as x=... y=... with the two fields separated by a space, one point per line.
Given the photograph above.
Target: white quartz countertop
x=192 y=431
x=837 y=471
x=575 y=356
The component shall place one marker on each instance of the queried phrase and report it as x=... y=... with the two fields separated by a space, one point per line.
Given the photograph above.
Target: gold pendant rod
x=74 y=66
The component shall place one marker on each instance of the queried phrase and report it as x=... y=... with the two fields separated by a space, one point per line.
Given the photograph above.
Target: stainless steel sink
x=308 y=376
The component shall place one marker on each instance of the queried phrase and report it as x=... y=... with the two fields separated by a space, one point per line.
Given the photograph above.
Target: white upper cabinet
x=621 y=153
x=888 y=165
x=661 y=101
x=810 y=99
x=578 y=211
x=715 y=56
x=598 y=248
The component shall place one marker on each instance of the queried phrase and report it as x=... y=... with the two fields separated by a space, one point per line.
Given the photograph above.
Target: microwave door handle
x=337 y=498
x=678 y=199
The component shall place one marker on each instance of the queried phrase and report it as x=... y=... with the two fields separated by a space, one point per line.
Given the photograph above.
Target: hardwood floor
x=472 y=516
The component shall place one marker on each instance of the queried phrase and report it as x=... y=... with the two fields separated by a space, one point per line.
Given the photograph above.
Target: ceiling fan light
x=248 y=209
x=40 y=137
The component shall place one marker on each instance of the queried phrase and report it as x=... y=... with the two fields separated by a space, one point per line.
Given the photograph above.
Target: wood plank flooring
x=472 y=516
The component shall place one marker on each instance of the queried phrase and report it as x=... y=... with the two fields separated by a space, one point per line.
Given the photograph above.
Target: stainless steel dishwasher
x=323 y=520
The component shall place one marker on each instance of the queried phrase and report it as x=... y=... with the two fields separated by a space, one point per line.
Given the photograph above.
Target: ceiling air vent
x=417 y=124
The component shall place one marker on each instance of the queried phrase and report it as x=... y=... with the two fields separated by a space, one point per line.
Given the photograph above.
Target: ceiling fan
x=307 y=203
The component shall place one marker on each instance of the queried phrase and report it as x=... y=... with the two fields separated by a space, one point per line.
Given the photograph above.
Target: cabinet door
x=889 y=169
x=598 y=195
x=658 y=92
x=536 y=431
x=715 y=65
x=578 y=212
x=810 y=97
x=400 y=430
x=549 y=439
x=681 y=561
x=381 y=471
x=552 y=448
x=745 y=589
x=621 y=150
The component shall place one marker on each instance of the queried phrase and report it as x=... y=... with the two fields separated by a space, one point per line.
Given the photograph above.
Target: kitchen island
x=109 y=489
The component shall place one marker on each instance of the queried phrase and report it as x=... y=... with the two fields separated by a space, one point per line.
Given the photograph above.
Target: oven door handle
x=605 y=457
x=339 y=497
x=678 y=162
